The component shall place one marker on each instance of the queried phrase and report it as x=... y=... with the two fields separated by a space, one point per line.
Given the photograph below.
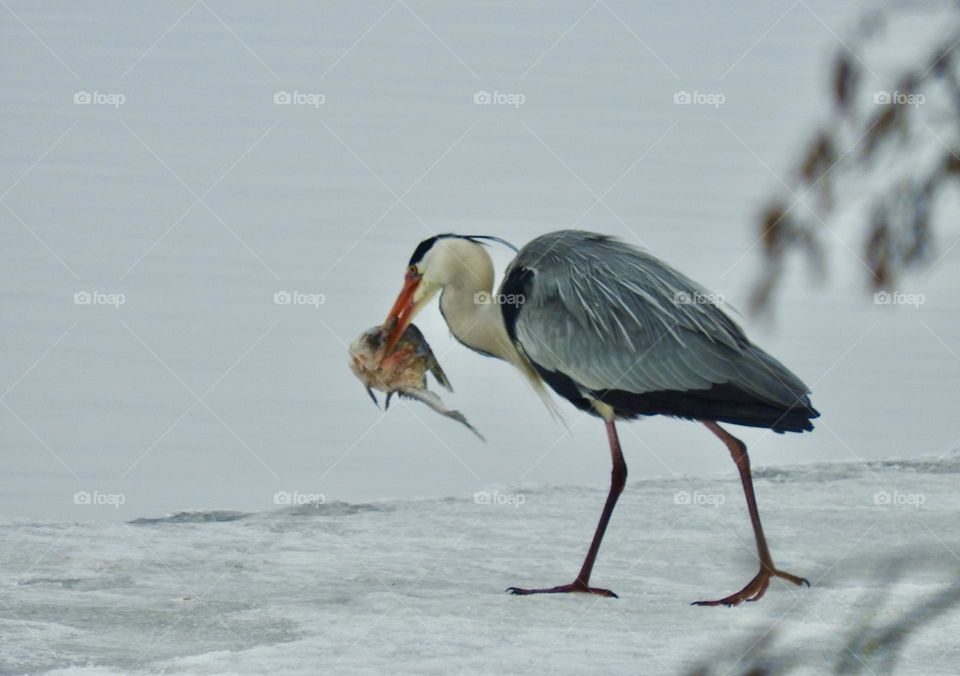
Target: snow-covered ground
x=197 y=198
x=418 y=586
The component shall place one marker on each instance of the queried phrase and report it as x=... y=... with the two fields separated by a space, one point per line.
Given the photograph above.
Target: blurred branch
x=881 y=159
x=873 y=646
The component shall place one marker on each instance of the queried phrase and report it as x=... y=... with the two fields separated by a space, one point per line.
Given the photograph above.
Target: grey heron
x=620 y=334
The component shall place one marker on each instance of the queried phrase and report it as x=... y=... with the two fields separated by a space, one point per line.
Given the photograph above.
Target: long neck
x=473 y=316
x=475 y=323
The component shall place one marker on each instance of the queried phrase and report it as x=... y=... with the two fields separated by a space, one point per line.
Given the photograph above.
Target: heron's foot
x=756 y=588
x=577 y=587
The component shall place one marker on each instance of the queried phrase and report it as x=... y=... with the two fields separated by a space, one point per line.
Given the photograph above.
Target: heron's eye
x=412 y=270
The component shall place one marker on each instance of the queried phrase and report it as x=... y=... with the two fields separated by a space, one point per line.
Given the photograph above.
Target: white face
x=453 y=261
x=434 y=270
x=425 y=291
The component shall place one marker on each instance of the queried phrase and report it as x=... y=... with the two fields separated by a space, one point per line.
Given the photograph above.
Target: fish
x=402 y=372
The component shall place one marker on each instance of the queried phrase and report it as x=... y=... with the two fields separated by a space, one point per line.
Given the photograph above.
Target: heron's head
x=439 y=261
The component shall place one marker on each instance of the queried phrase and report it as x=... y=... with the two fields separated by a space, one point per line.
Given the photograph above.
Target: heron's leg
x=618 y=479
x=756 y=588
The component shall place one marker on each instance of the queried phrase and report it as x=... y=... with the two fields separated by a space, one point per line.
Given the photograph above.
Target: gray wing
x=613 y=317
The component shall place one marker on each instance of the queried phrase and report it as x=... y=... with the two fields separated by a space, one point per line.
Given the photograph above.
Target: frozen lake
x=178 y=165
x=418 y=586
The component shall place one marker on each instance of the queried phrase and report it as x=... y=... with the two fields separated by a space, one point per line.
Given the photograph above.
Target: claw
x=755 y=589
x=575 y=587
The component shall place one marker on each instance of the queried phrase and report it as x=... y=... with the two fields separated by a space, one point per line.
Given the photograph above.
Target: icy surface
x=418 y=586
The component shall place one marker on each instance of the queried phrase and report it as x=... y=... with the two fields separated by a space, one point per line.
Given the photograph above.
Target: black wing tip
x=720 y=403
x=795 y=419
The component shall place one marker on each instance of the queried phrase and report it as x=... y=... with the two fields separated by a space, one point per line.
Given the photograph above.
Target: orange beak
x=401 y=314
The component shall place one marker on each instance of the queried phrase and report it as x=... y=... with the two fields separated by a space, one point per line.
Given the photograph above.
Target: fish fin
x=460 y=418
x=440 y=375
x=474 y=430
x=424 y=350
x=433 y=401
